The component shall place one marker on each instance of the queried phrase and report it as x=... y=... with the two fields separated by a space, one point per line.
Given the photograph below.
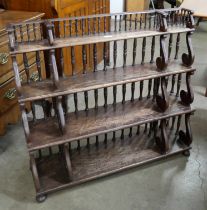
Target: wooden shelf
x=32 y=46
x=99 y=79
x=94 y=163
x=93 y=122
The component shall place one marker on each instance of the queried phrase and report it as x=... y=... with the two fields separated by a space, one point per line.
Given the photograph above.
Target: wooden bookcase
x=69 y=147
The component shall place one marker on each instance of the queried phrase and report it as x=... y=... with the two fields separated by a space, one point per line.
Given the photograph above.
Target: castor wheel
x=186 y=153
x=41 y=198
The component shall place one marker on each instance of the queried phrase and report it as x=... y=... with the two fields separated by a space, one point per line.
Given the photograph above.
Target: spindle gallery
x=65 y=146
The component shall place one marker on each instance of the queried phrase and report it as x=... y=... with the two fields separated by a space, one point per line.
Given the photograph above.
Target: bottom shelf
x=89 y=164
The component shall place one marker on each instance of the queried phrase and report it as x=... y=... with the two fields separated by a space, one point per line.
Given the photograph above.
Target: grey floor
x=177 y=183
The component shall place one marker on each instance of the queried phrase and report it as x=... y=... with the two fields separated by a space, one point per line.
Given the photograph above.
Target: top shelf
x=66 y=32
x=27 y=47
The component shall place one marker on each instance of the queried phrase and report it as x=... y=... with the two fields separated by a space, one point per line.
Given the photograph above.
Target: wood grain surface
x=99 y=79
x=88 y=165
x=46 y=133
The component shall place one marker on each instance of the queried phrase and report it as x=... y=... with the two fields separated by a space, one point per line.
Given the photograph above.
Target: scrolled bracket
x=162 y=20
x=54 y=68
x=188 y=59
x=68 y=161
x=10 y=31
x=162 y=61
x=162 y=141
x=50 y=32
x=163 y=99
x=187 y=97
x=25 y=121
x=186 y=137
x=60 y=115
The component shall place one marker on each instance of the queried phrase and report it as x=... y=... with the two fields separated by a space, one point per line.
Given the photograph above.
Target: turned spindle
x=76 y=27
x=125 y=53
x=94 y=25
x=73 y=60
x=134 y=51
x=114 y=136
x=177 y=46
x=130 y=22
x=149 y=88
x=105 y=56
x=170 y=46
x=96 y=98
x=178 y=84
x=115 y=24
x=143 y=50
x=120 y=21
x=130 y=132
x=28 y=32
x=141 y=86
x=88 y=143
x=78 y=145
x=114 y=94
x=97 y=141
x=94 y=57
x=138 y=130
x=76 y=102
x=105 y=96
x=83 y=26
x=173 y=122
x=38 y=63
x=89 y=26
x=122 y=134
x=115 y=53
x=145 y=128
x=173 y=84
x=105 y=139
x=123 y=93
x=26 y=66
x=84 y=58
x=132 y=91
x=70 y=27
x=86 y=100
x=152 y=50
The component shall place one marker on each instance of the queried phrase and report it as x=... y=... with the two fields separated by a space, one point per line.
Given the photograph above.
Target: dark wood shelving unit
x=69 y=147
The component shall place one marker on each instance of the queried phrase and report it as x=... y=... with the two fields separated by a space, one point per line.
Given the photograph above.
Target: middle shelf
x=98 y=79
x=84 y=124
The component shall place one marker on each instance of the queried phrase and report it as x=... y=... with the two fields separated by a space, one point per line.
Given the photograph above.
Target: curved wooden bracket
x=163 y=100
x=162 y=61
x=162 y=20
x=35 y=173
x=186 y=137
x=54 y=68
x=16 y=74
x=188 y=59
x=50 y=29
x=10 y=31
x=25 y=121
x=162 y=142
x=187 y=97
x=68 y=161
x=60 y=114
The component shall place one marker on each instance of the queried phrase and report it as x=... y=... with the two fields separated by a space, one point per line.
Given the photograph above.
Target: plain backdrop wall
x=116 y=6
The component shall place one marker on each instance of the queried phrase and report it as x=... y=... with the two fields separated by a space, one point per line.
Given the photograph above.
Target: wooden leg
x=187 y=97
x=162 y=141
x=206 y=93
x=186 y=137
